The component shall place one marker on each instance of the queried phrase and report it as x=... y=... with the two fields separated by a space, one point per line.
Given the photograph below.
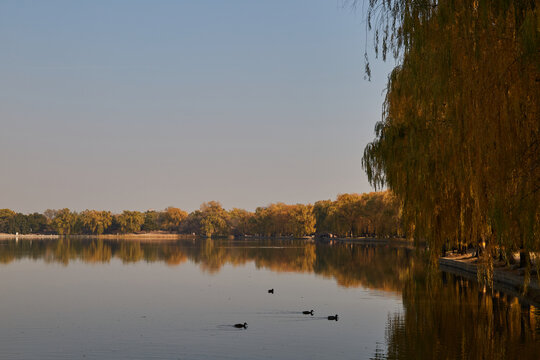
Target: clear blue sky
x=126 y=104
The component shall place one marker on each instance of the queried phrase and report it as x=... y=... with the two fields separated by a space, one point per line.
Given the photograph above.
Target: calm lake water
x=101 y=299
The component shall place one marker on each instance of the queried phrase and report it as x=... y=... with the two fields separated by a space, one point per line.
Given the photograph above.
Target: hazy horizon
x=141 y=105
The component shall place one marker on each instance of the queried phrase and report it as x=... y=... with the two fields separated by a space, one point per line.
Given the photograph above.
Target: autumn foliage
x=459 y=142
x=350 y=215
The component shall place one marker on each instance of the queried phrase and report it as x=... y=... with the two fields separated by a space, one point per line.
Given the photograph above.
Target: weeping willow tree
x=458 y=142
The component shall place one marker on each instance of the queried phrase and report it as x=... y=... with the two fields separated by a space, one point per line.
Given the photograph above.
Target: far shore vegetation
x=350 y=215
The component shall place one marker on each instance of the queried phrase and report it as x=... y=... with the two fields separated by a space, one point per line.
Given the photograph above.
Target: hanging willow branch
x=458 y=140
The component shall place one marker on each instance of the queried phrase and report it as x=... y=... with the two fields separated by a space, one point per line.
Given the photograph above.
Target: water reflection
x=372 y=266
x=444 y=316
x=448 y=317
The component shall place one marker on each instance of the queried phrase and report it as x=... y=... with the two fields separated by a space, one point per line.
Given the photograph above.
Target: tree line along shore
x=350 y=215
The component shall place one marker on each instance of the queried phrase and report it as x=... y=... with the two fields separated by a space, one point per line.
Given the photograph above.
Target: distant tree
x=192 y=224
x=11 y=222
x=50 y=214
x=5 y=218
x=37 y=223
x=385 y=212
x=151 y=221
x=172 y=219
x=240 y=221
x=280 y=219
x=348 y=213
x=214 y=219
x=130 y=221
x=324 y=215
x=18 y=224
x=261 y=221
x=95 y=222
x=64 y=221
x=302 y=220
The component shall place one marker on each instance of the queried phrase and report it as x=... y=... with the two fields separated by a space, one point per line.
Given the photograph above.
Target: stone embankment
x=507 y=280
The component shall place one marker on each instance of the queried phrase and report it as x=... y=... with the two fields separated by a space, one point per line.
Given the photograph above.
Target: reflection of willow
x=370 y=266
x=130 y=252
x=270 y=254
x=97 y=252
x=62 y=252
x=351 y=265
x=447 y=317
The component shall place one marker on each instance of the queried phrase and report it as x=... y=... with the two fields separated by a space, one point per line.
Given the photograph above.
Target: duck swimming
x=333 y=317
x=306 y=312
x=271 y=291
x=241 y=326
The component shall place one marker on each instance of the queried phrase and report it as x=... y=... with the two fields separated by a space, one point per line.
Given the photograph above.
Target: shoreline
x=161 y=235
x=370 y=239
x=505 y=280
x=145 y=236
x=28 y=236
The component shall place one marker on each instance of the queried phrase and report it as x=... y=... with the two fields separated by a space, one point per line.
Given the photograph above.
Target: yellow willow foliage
x=459 y=139
x=95 y=222
x=172 y=218
x=374 y=214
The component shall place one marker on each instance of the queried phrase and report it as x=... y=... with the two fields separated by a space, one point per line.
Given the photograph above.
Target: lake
x=113 y=299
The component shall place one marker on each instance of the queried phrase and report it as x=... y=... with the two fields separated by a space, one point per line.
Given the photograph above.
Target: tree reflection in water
x=444 y=316
x=449 y=317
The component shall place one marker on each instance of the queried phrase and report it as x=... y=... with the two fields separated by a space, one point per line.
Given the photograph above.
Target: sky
x=144 y=104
